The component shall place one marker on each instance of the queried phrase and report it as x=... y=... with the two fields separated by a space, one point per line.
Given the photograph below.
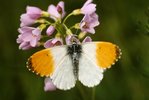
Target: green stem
x=60 y=28
x=43 y=21
x=44 y=36
x=82 y=92
x=93 y=93
x=65 y=26
x=67 y=17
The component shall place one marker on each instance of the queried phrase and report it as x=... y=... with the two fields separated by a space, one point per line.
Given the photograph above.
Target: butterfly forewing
x=89 y=73
x=63 y=76
x=107 y=54
x=41 y=63
x=45 y=61
x=104 y=54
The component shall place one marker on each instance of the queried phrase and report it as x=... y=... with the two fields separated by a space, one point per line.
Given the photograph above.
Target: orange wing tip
x=28 y=63
x=107 y=54
x=41 y=63
x=118 y=55
x=30 y=68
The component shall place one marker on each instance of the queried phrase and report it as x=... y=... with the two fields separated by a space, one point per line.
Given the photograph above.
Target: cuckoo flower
x=23 y=45
x=50 y=30
x=57 y=12
x=88 y=7
x=33 y=12
x=87 y=39
x=28 y=18
x=70 y=37
x=89 y=22
x=53 y=42
x=49 y=86
x=29 y=37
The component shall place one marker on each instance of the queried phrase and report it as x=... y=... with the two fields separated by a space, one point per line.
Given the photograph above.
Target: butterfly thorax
x=74 y=51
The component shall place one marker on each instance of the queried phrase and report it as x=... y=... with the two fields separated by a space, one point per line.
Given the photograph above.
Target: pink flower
x=57 y=12
x=32 y=14
x=28 y=37
x=53 y=42
x=23 y=45
x=89 y=22
x=26 y=20
x=49 y=86
x=88 y=7
x=50 y=30
x=70 y=37
x=87 y=39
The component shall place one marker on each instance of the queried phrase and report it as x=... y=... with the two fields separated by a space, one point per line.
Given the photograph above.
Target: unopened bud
x=76 y=12
x=81 y=35
x=45 y=14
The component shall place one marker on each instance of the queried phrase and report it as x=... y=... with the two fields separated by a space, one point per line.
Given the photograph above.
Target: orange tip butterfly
x=68 y=63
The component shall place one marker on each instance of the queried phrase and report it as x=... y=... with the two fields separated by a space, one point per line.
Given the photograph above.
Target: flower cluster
x=48 y=28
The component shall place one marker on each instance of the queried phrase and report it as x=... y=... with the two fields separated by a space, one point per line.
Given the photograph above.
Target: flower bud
x=50 y=30
x=76 y=12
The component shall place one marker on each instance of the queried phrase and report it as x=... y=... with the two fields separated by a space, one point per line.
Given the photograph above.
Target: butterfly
x=66 y=64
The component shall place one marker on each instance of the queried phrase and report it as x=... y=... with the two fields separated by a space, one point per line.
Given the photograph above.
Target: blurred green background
x=123 y=22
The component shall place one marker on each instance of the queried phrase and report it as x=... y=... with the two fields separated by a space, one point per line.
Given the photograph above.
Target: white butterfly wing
x=62 y=77
x=96 y=57
x=89 y=73
x=55 y=63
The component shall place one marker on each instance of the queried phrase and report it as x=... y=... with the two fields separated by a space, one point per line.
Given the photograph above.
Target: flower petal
x=33 y=12
x=26 y=20
x=87 y=2
x=53 y=12
x=53 y=42
x=68 y=39
x=94 y=20
x=33 y=42
x=91 y=30
x=24 y=46
x=89 y=9
x=57 y=41
x=48 y=44
x=89 y=22
x=49 y=86
x=87 y=39
x=50 y=30
x=36 y=32
x=25 y=29
x=60 y=7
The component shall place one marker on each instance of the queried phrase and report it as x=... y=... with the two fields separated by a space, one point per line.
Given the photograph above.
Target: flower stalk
x=56 y=32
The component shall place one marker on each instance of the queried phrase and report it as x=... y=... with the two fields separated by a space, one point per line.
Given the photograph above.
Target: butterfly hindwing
x=89 y=73
x=63 y=77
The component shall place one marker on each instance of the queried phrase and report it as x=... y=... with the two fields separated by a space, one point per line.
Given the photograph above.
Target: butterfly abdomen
x=74 y=51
